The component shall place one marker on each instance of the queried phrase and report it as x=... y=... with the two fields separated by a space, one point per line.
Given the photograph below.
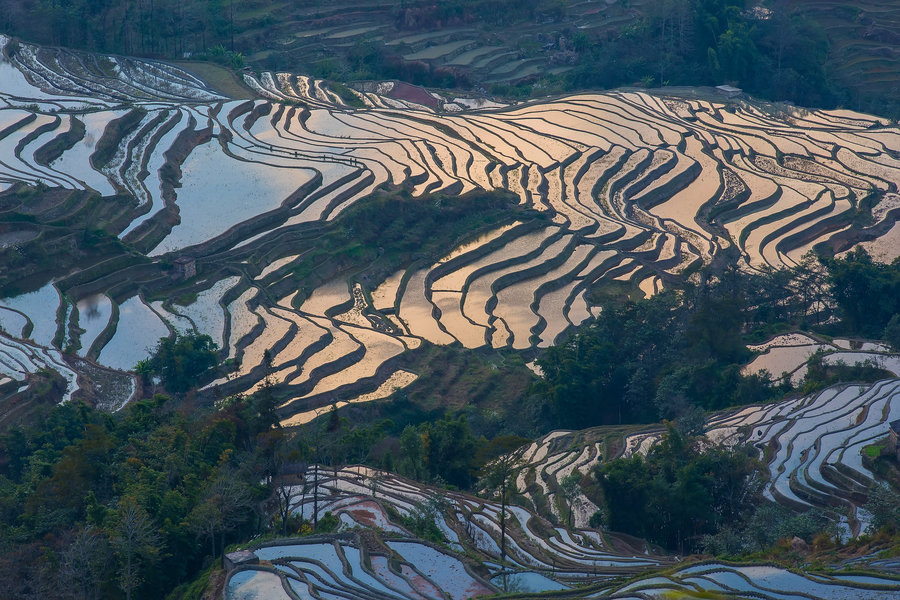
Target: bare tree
x=281 y=465
x=226 y=504
x=135 y=541
x=205 y=520
x=499 y=479
x=85 y=563
x=316 y=497
x=570 y=488
x=374 y=480
x=285 y=496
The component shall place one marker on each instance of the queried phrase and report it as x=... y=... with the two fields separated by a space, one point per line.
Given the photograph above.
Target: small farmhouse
x=729 y=91
x=240 y=558
x=184 y=267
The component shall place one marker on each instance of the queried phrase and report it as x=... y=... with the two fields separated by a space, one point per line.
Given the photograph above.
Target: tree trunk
x=285 y=496
x=231 y=24
x=503 y=526
x=316 y=498
x=503 y=537
x=128 y=583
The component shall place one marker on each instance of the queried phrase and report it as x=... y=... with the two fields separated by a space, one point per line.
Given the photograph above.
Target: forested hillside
x=779 y=50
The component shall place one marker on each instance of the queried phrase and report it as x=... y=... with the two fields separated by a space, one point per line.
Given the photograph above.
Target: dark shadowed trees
x=183 y=361
x=677 y=494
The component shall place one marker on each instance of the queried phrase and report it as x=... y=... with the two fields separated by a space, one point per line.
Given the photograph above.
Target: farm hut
x=293 y=472
x=184 y=267
x=729 y=91
x=236 y=559
x=894 y=438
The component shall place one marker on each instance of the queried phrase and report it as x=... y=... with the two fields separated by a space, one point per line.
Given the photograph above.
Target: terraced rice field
x=786 y=355
x=344 y=567
x=817 y=443
x=507 y=55
x=363 y=498
x=627 y=181
x=754 y=581
x=864 y=43
x=539 y=558
x=812 y=445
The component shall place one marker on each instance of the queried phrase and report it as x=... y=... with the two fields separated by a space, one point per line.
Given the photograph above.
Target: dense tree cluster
x=442 y=450
x=764 y=526
x=94 y=505
x=775 y=53
x=677 y=494
x=656 y=358
x=867 y=293
x=157 y=27
x=181 y=362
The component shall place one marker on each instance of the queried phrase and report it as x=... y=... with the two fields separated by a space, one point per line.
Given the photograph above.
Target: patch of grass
x=218 y=77
x=392 y=230
x=185 y=299
x=874 y=451
x=195 y=589
x=346 y=94
x=491 y=389
x=614 y=293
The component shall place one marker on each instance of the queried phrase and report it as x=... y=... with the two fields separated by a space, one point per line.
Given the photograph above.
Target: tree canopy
x=867 y=292
x=655 y=358
x=677 y=494
x=181 y=361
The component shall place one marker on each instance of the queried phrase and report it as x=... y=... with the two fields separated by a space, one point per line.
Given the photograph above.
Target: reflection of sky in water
x=323 y=553
x=255 y=585
x=326 y=296
x=12 y=322
x=219 y=192
x=153 y=184
x=15 y=84
x=445 y=570
x=527 y=582
x=885 y=248
x=205 y=311
x=40 y=306
x=76 y=161
x=137 y=331
x=93 y=316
